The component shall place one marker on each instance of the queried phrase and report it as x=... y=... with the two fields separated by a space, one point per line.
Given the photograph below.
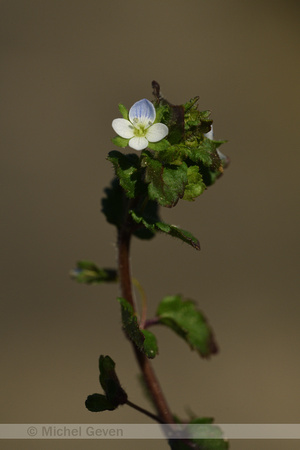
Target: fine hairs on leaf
x=167 y=154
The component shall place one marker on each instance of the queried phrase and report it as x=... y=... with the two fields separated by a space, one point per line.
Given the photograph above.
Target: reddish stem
x=159 y=400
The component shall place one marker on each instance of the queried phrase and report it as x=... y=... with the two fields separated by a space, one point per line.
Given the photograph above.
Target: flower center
x=140 y=128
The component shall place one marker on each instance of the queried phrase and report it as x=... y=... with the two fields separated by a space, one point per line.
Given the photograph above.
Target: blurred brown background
x=65 y=66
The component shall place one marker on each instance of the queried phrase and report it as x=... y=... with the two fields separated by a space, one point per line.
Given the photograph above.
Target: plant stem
x=124 y=238
x=144 y=411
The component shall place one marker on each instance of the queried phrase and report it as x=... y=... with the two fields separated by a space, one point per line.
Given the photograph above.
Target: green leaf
x=114 y=205
x=159 y=146
x=120 y=142
x=215 y=431
x=124 y=111
x=171 y=230
x=150 y=344
x=189 y=323
x=188 y=144
x=98 y=403
x=216 y=442
x=195 y=186
x=179 y=233
x=199 y=152
x=127 y=170
x=109 y=381
x=87 y=272
x=166 y=182
x=143 y=339
x=114 y=393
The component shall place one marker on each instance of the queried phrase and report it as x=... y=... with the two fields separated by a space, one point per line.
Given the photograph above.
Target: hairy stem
x=124 y=238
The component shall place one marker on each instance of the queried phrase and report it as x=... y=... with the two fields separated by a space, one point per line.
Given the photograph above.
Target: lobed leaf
x=188 y=322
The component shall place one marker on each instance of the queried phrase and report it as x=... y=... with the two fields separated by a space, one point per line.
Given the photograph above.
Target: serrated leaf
x=87 y=272
x=179 y=233
x=188 y=322
x=98 y=403
x=187 y=129
x=171 y=230
x=109 y=381
x=127 y=170
x=166 y=182
x=124 y=111
x=175 y=154
x=143 y=339
x=201 y=153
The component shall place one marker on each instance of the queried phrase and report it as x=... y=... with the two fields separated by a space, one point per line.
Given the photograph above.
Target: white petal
x=157 y=132
x=222 y=156
x=210 y=134
x=123 y=128
x=143 y=111
x=138 y=143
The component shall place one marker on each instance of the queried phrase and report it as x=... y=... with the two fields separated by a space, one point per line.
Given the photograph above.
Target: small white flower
x=139 y=129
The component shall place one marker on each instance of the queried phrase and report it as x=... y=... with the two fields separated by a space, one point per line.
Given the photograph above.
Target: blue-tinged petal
x=157 y=132
x=123 y=128
x=142 y=111
x=138 y=143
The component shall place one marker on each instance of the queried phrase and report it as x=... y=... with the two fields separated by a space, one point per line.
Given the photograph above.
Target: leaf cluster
x=181 y=166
